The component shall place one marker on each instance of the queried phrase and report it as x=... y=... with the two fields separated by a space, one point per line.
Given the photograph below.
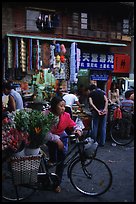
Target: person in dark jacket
x=99 y=103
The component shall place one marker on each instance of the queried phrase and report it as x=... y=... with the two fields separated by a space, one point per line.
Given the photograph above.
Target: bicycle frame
x=69 y=160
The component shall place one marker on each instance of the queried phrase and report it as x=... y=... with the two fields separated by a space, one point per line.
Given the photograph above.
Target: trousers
x=57 y=155
x=99 y=121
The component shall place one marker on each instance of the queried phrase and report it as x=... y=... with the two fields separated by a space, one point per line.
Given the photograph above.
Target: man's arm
x=78 y=103
x=92 y=104
x=106 y=104
x=12 y=103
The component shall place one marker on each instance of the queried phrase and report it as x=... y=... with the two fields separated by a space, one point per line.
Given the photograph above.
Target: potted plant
x=34 y=123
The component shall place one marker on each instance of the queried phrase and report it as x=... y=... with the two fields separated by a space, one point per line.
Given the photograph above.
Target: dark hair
x=114 y=86
x=92 y=87
x=54 y=102
x=73 y=91
x=7 y=85
x=128 y=93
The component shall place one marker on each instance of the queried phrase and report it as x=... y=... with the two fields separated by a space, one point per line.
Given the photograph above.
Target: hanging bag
x=117 y=113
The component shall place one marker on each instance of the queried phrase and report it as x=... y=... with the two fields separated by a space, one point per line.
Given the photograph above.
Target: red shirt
x=65 y=121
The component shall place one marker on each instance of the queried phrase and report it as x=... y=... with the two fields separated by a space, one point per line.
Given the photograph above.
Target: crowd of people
x=93 y=98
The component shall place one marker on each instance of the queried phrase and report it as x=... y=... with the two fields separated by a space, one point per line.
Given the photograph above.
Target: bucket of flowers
x=13 y=139
x=25 y=128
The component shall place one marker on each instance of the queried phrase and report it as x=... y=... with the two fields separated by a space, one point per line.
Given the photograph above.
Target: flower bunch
x=27 y=126
x=12 y=138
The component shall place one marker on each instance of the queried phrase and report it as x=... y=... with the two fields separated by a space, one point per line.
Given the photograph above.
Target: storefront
x=60 y=59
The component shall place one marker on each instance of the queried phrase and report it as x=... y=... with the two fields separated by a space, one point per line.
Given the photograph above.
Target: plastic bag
x=79 y=123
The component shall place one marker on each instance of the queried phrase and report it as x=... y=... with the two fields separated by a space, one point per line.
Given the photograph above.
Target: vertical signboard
x=121 y=63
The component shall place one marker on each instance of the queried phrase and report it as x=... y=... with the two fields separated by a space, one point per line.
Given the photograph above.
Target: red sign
x=121 y=63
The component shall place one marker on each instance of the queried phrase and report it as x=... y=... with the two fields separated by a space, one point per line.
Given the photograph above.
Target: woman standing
x=113 y=94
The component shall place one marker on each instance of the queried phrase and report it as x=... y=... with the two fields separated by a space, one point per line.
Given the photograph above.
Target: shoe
x=58 y=189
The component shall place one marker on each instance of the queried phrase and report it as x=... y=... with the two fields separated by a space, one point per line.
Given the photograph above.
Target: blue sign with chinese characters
x=96 y=61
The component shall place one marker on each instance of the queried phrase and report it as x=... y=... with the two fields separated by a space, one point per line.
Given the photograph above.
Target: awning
x=66 y=40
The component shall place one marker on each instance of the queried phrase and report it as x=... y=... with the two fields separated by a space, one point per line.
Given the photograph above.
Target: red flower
x=5 y=120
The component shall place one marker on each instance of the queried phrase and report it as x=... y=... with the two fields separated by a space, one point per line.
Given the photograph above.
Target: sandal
x=58 y=189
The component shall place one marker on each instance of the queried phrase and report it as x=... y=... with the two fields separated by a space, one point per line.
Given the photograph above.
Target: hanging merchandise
x=60 y=71
x=10 y=53
x=4 y=59
x=57 y=48
x=37 y=54
x=55 y=20
x=73 y=63
x=31 y=50
x=58 y=58
x=30 y=54
x=39 y=22
x=16 y=54
x=46 y=21
x=23 y=55
x=45 y=55
x=52 y=48
x=78 y=59
x=62 y=59
x=63 y=49
x=67 y=69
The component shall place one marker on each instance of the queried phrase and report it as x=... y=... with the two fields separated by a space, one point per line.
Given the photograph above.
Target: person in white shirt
x=15 y=99
x=70 y=99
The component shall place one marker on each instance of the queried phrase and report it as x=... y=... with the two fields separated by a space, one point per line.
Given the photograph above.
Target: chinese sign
x=99 y=75
x=96 y=61
x=121 y=63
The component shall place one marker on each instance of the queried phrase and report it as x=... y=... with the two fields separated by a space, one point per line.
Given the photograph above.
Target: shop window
x=41 y=20
x=84 y=21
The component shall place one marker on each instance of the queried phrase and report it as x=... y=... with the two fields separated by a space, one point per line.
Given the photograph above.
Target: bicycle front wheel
x=122 y=132
x=91 y=178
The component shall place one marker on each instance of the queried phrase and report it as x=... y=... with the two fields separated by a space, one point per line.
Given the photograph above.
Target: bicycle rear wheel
x=122 y=132
x=91 y=178
x=9 y=191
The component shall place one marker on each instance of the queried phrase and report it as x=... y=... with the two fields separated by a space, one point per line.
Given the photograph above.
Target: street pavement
x=120 y=159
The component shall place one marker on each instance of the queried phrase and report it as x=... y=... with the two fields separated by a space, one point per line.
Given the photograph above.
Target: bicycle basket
x=25 y=169
x=90 y=149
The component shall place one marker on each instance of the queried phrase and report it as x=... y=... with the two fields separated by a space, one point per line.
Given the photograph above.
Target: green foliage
x=36 y=123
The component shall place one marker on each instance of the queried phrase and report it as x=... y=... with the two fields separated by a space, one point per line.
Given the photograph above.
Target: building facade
x=77 y=42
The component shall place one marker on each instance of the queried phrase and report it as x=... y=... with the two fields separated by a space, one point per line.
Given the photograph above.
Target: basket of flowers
x=13 y=139
x=25 y=128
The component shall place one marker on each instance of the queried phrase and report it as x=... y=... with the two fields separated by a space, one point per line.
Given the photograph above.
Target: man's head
x=128 y=93
x=92 y=87
x=7 y=86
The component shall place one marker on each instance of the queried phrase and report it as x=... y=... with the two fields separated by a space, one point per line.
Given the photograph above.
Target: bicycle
x=117 y=128
x=88 y=174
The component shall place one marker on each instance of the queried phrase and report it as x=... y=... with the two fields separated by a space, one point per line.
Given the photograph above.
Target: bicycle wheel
x=91 y=178
x=122 y=132
x=9 y=189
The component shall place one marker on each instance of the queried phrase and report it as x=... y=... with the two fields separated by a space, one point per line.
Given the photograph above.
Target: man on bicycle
x=127 y=107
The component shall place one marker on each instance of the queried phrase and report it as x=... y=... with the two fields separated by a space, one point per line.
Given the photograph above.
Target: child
x=57 y=143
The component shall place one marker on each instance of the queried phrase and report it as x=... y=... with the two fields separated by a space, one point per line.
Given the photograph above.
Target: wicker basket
x=25 y=169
